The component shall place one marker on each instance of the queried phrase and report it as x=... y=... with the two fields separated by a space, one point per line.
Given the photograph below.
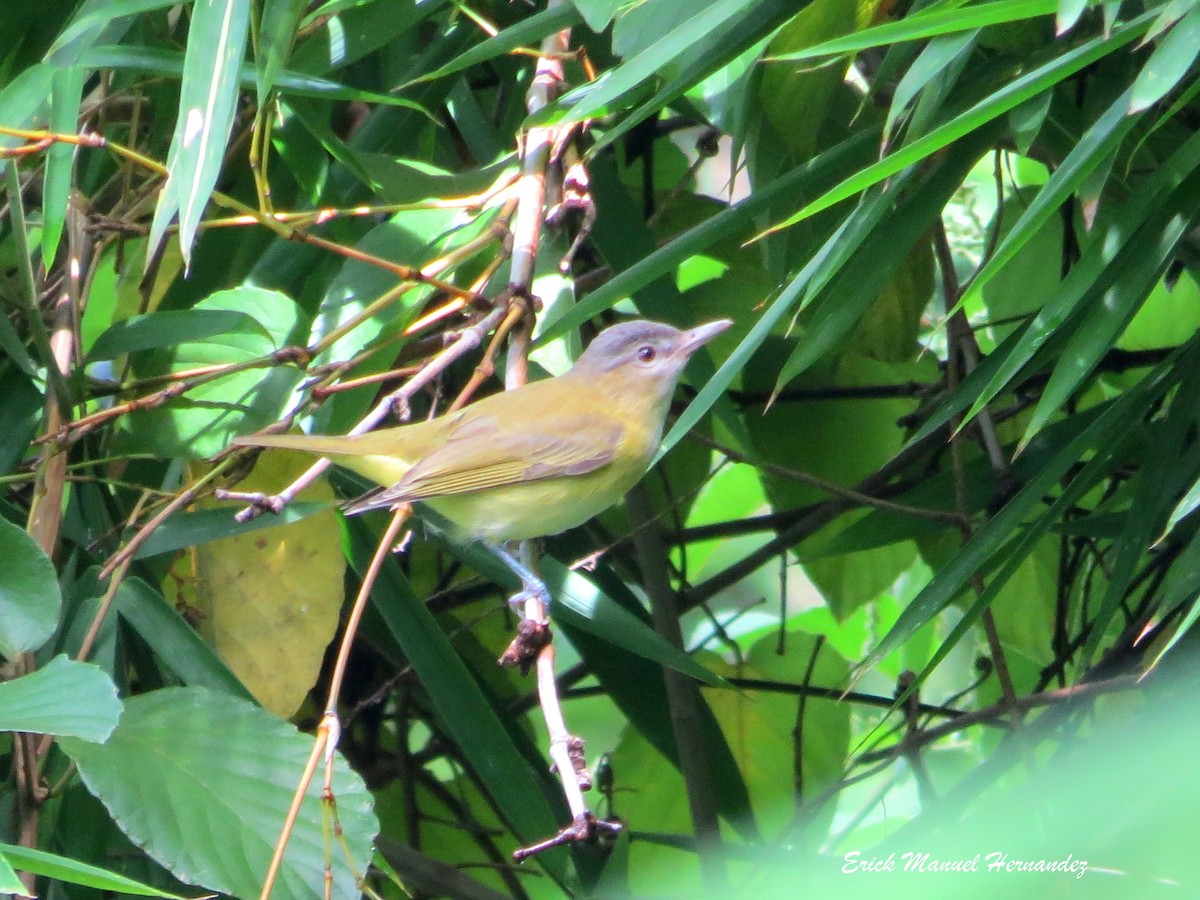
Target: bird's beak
x=702 y=334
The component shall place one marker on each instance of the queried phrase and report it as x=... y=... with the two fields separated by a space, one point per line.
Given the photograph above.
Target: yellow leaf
x=268 y=602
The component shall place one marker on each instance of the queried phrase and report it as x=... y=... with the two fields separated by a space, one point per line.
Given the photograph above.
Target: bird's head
x=642 y=360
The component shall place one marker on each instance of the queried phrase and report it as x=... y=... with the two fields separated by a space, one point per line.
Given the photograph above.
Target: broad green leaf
x=169 y=328
x=925 y=70
x=201 y=422
x=1168 y=64
x=29 y=594
x=840 y=305
x=207 y=104
x=202 y=781
x=65 y=698
x=276 y=32
x=1171 y=13
x=70 y=871
x=65 y=95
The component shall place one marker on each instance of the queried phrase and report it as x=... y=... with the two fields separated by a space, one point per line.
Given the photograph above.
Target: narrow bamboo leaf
x=1068 y=14
x=203 y=781
x=207 y=103
x=934 y=23
x=835 y=253
x=70 y=871
x=169 y=328
x=14 y=348
x=1155 y=486
x=758 y=22
x=66 y=93
x=617 y=84
x=1182 y=585
x=29 y=594
x=1183 y=508
x=527 y=32
x=1008 y=97
x=136 y=58
x=276 y=33
x=10 y=881
x=64 y=698
x=23 y=98
x=200 y=527
x=1090 y=272
x=1146 y=256
x=929 y=64
x=598 y=14
x=737 y=219
x=988 y=541
x=90 y=24
x=1168 y=64
x=458 y=700
x=839 y=307
x=1171 y=13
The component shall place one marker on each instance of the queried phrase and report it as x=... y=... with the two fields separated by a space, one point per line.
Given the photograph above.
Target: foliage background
x=930 y=527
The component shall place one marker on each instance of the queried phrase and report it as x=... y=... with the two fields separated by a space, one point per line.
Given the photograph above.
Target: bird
x=533 y=461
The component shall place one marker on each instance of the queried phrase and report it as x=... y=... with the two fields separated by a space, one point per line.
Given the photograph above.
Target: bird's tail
x=320 y=445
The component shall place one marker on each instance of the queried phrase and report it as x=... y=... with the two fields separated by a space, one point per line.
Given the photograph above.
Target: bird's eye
x=646 y=354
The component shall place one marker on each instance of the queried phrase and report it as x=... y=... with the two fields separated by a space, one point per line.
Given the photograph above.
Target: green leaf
x=596 y=13
x=930 y=23
x=170 y=327
x=617 y=85
x=29 y=594
x=1168 y=64
x=60 y=868
x=201 y=423
x=988 y=540
x=1089 y=274
x=527 y=32
x=1142 y=261
x=23 y=98
x=135 y=58
x=65 y=95
x=203 y=781
x=10 y=882
x=207 y=104
x=277 y=31
x=63 y=697
x=194 y=528
x=1011 y=95
x=456 y=697
x=1068 y=14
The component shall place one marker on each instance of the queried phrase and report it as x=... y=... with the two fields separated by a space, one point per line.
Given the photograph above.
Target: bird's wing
x=478 y=454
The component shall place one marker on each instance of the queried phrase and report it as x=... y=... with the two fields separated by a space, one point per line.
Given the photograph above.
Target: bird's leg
x=532 y=587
